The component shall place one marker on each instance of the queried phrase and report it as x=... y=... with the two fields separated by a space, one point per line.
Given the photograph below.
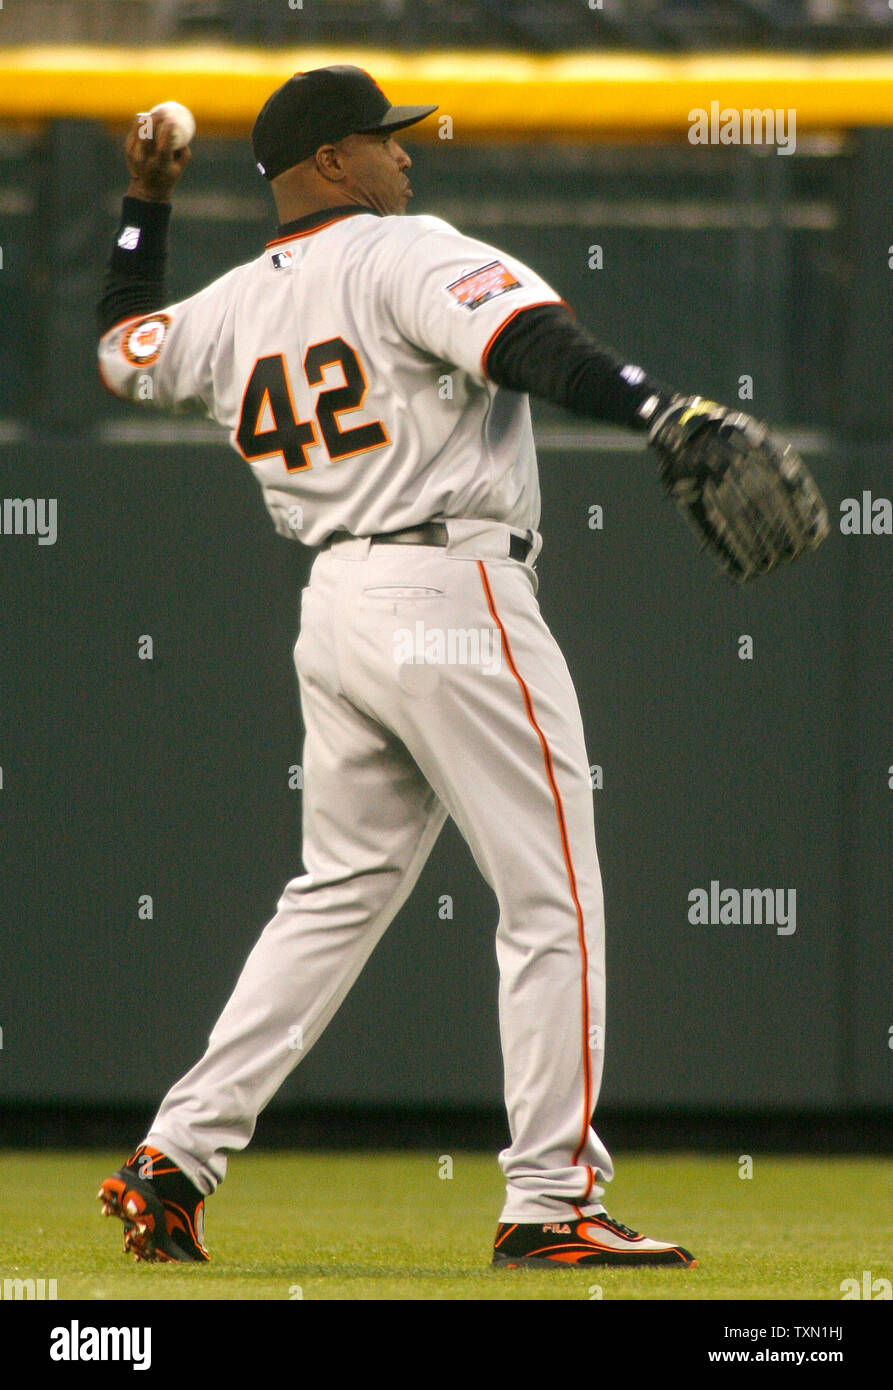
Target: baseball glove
x=747 y=495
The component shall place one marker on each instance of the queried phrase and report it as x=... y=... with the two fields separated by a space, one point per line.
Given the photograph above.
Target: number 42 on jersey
x=268 y=397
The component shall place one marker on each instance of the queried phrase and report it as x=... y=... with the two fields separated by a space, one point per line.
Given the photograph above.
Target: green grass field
x=385 y=1226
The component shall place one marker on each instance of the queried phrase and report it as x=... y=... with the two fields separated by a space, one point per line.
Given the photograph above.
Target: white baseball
x=182 y=118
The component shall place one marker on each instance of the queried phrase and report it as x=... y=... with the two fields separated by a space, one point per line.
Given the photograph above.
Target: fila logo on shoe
x=562 y=1230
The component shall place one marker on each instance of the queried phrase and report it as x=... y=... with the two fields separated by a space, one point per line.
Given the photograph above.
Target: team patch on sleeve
x=143 y=341
x=483 y=284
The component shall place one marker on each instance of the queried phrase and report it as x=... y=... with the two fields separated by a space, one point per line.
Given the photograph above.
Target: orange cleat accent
x=163 y=1214
x=589 y=1240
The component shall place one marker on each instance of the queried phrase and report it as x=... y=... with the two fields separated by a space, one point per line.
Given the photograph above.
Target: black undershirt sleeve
x=545 y=352
x=134 y=279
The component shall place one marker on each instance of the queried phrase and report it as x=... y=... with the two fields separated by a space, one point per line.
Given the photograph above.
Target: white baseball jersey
x=347 y=363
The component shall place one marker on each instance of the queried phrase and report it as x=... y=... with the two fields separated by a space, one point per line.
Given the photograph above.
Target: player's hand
x=154 y=165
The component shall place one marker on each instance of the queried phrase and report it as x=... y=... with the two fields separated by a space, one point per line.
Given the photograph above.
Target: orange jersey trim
x=540 y=304
x=311 y=231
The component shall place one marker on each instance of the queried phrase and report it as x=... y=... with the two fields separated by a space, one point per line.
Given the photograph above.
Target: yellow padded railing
x=484 y=93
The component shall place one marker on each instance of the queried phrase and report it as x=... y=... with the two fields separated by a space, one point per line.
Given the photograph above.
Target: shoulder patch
x=142 y=341
x=478 y=286
x=281 y=259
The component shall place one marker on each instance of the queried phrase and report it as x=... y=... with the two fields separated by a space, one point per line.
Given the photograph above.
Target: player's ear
x=330 y=162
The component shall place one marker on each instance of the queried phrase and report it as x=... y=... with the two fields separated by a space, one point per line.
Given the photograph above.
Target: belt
x=432 y=533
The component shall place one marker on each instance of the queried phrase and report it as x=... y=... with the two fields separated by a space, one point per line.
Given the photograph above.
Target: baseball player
x=373 y=369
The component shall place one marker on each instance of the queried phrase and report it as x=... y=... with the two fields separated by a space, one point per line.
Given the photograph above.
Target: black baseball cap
x=321 y=107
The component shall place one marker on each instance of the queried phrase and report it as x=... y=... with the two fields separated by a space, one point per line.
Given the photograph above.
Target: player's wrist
x=138 y=190
x=140 y=247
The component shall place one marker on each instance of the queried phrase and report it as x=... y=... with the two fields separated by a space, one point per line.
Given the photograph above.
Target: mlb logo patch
x=282 y=259
x=483 y=284
x=129 y=239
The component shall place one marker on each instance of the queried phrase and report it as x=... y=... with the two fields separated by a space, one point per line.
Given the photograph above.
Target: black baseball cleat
x=585 y=1241
x=163 y=1212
